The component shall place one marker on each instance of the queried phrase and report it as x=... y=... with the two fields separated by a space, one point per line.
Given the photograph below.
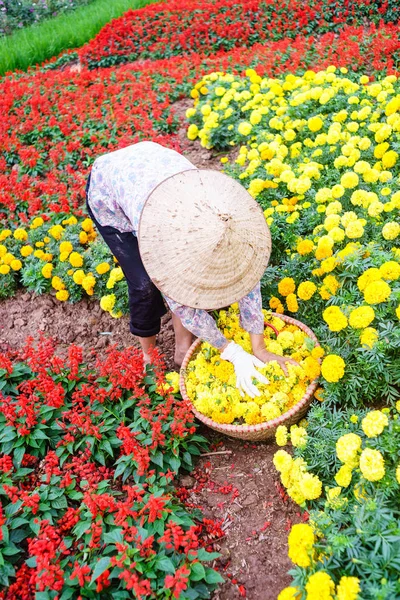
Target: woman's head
x=203 y=239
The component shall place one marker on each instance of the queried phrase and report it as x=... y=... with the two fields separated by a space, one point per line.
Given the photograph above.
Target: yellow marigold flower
x=102 y=268
x=320 y=586
x=398 y=474
x=344 y=475
x=282 y=461
x=63 y=257
x=172 y=380
x=193 y=132
x=305 y=247
x=83 y=237
x=245 y=128
x=372 y=465
x=374 y=423
x=56 y=232
x=66 y=247
x=348 y=588
x=291 y=302
x=286 y=286
x=281 y=435
x=315 y=123
x=301 y=541
x=26 y=251
x=8 y=258
x=78 y=276
x=57 y=283
x=298 y=436
x=335 y=319
x=4 y=269
x=372 y=274
x=368 y=337
x=310 y=486
x=37 y=222
x=389 y=159
x=21 y=235
x=39 y=244
x=354 y=230
x=88 y=283
x=62 y=295
x=47 y=270
x=361 y=317
x=324 y=248
x=87 y=225
x=349 y=180
x=377 y=292
x=312 y=368
x=391 y=230
x=306 y=290
x=390 y=270
x=332 y=368
x=107 y=303
x=276 y=305
x=347 y=447
x=3 y=250
x=46 y=239
x=76 y=259
x=289 y=593
x=16 y=264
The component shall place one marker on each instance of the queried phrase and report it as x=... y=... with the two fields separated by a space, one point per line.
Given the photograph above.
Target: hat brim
x=203 y=239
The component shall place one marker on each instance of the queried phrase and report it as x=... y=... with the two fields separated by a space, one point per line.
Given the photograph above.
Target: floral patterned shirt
x=120 y=184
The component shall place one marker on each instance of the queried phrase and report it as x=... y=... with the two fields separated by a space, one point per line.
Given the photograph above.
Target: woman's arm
x=252 y=320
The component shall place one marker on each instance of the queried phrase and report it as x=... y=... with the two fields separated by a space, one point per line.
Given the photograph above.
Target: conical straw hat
x=203 y=239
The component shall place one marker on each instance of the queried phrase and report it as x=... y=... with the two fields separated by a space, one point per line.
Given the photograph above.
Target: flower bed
x=322 y=162
x=346 y=472
x=205 y=27
x=88 y=459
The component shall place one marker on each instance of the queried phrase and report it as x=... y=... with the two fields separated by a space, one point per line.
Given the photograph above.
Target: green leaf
x=81 y=527
x=59 y=503
x=114 y=536
x=101 y=566
x=18 y=522
x=157 y=458
x=165 y=564
x=18 y=456
x=175 y=463
x=198 y=572
x=203 y=555
x=213 y=576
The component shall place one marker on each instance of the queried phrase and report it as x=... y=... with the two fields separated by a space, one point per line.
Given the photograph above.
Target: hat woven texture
x=203 y=239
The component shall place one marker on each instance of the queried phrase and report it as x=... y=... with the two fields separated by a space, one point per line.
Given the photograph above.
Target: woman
x=195 y=238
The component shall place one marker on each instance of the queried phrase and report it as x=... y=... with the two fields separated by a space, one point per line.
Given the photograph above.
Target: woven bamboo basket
x=262 y=431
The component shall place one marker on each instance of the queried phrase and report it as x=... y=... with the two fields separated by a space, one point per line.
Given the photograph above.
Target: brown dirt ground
x=239 y=488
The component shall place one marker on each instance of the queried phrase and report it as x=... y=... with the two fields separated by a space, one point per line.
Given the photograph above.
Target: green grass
x=37 y=43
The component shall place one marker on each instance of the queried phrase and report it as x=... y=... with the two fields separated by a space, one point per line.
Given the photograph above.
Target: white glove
x=245 y=369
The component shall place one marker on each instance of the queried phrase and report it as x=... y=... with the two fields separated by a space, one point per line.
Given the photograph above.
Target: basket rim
x=223 y=427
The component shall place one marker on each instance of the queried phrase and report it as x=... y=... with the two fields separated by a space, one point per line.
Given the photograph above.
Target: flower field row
x=49 y=145
x=88 y=457
x=346 y=471
x=205 y=27
x=319 y=152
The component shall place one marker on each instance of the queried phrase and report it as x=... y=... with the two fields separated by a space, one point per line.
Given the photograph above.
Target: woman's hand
x=267 y=357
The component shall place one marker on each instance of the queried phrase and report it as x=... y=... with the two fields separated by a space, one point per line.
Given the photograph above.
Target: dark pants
x=146 y=304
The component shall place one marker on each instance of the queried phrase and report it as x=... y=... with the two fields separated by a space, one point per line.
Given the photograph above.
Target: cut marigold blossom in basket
x=211 y=381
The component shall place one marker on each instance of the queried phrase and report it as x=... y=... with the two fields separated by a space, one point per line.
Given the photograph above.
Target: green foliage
x=37 y=43
x=88 y=457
